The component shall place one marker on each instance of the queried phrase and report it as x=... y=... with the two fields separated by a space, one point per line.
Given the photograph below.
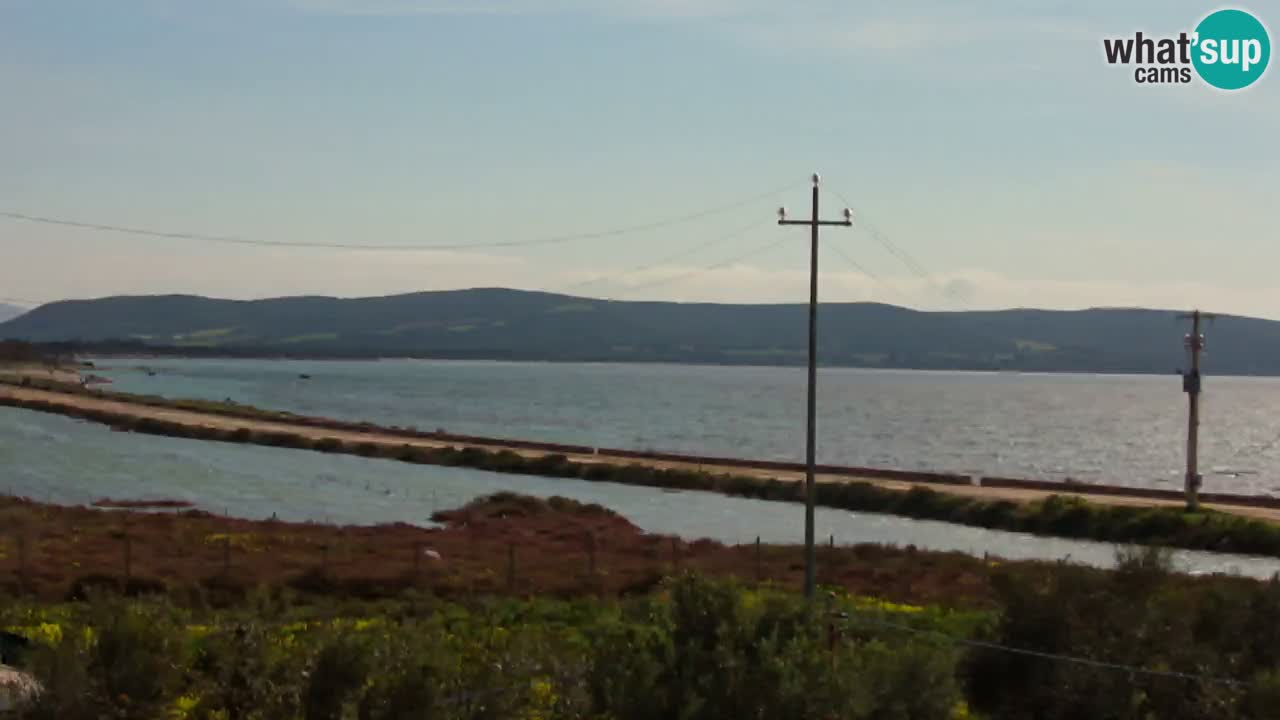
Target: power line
x=699 y=271
x=1055 y=657
x=670 y=258
x=227 y=239
x=722 y=238
x=902 y=255
x=860 y=268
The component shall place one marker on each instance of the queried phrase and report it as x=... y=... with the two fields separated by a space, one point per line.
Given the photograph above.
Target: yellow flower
x=44 y=633
x=542 y=700
x=240 y=541
x=867 y=603
x=183 y=707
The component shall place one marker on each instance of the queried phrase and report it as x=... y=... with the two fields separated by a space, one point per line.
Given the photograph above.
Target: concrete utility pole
x=1191 y=386
x=810 y=454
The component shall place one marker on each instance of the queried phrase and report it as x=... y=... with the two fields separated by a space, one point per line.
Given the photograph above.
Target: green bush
x=127 y=668
x=406 y=683
x=696 y=649
x=337 y=675
x=715 y=653
x=243 y=674
x=1140 y=616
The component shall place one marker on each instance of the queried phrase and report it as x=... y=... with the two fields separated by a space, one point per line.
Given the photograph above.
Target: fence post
x=324 y=559
x=226 y=557
x=759 y=571
x=591 y=554
x=675 y=556
x=22 y=560
x=511 y=567
x=831 y=632
x=417 y=560
x=128 y=558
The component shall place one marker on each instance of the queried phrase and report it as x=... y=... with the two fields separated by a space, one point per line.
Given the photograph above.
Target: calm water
x=49 y=457
x=1120 y=429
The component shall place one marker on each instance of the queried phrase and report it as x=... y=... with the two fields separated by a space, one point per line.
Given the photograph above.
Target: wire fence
x=588 y=565
x=156 y=555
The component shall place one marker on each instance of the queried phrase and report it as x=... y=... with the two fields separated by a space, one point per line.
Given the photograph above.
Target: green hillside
x=510 y=324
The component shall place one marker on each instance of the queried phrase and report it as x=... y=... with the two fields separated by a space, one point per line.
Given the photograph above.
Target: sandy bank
x=69 y=403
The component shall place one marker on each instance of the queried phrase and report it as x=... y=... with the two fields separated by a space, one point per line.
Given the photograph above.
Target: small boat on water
x=303 y=376
x=91 y=379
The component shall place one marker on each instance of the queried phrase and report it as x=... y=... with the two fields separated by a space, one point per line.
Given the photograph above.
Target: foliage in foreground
x=1065 y=642
x=698 y=650
x=1140 y=642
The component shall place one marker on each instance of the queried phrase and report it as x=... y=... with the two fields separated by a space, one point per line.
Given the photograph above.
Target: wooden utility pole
x=810 y=454
x=1191 y=386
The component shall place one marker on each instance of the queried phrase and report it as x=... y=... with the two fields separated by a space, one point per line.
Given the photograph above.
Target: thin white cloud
x=760 y=281
x=914 y=36
x=818 y=26
x=51 y=273
x=610 y=8
x=431 y=7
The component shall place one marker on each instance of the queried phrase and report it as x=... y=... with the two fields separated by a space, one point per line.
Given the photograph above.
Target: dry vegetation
x=505 y=544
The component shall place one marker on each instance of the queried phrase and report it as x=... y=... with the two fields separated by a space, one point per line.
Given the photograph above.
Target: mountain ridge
x=8 y=312
x=499 y=323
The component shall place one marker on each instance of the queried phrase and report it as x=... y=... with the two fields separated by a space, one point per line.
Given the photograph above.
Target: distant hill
x=8 y=312
x=511 y=324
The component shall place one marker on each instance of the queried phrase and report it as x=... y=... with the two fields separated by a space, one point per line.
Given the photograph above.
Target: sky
x=992 y=157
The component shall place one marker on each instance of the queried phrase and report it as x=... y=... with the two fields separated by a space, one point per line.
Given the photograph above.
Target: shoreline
x=252 y=354
x=1242 y=524
x=202 y=413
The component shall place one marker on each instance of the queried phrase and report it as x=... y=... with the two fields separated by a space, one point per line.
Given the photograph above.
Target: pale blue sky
x=992 y=142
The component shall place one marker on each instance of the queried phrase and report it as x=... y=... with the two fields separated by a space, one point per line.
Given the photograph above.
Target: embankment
x=1057 y=510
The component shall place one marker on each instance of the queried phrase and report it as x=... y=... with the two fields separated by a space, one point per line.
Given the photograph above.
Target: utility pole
x=810 y=454
x=1191 y=386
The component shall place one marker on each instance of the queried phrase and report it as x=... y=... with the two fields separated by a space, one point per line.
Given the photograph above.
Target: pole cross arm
x=841 y=223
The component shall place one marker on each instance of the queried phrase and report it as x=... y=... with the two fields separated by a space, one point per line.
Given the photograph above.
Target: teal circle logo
x=1232 y=49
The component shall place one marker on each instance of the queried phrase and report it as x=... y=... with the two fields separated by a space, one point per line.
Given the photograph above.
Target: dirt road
x=225 y=422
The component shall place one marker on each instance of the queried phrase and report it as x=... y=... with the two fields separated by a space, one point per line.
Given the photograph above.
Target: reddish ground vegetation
x=502 y=544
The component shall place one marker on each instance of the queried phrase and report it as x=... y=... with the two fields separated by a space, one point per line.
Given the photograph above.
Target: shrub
x=709 y=654
x=405 y=684
x=337 y=674
x=246 y=675
x=128 y=668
